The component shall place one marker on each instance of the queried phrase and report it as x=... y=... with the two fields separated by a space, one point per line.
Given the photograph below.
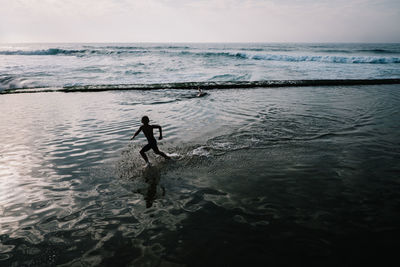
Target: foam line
x=208 y=85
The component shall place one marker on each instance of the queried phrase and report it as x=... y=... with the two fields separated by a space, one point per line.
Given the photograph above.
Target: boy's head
x=145 y=120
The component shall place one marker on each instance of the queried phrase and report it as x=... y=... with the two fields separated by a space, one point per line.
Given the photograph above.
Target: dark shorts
x=151 y=145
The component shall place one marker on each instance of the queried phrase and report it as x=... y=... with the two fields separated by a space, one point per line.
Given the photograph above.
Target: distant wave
x=334 y=51
x=347 y=51
x=91 y=50
x=378 y=51
x=50 y=51
x=186 y=51
x=141 y=47
x=327 y=59
x=73 y=52
x=207 y=85
x=290 y=58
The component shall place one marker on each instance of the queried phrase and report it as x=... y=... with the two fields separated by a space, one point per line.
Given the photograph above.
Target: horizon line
x=202 y=42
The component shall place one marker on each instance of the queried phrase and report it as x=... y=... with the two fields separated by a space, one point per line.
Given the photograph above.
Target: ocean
x=292 y=158
x=83 y=66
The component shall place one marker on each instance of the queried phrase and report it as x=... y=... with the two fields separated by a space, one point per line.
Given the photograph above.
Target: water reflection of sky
x=66 y=162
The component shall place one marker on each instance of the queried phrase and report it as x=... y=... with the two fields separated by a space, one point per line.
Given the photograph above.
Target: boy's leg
x=142 y=152
x=162 y=154
x=144 y=156
x=158 y=152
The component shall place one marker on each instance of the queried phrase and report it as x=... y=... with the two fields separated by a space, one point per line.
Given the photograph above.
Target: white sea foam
x=200 y=151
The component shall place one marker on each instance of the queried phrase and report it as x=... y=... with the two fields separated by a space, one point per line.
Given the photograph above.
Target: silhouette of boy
x=148 y=132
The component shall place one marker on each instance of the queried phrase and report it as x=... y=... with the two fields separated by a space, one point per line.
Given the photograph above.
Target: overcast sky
x=199 y=21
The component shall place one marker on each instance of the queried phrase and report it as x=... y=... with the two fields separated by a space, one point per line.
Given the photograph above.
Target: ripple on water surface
x=263 y=166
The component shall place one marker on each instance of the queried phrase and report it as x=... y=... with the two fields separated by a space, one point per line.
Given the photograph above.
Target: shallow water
x=284 y=176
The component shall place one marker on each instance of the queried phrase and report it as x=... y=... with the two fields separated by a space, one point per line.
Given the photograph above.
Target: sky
x=199 y=21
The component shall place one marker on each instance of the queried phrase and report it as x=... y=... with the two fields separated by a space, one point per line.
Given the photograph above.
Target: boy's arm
x=159 y=128
x=137 y=132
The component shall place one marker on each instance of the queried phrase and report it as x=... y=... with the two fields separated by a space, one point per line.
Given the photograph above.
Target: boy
x=148 y=132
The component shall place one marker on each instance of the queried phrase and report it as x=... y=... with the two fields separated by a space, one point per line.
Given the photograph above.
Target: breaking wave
x=74 y=52
x=248 y=54
x=11 y=82
x=326 y=59
x=42 y=52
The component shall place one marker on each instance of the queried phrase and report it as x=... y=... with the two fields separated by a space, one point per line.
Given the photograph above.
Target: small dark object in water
x=201 y=93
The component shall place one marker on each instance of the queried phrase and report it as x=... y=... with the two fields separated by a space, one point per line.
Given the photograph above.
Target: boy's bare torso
x=148 y=132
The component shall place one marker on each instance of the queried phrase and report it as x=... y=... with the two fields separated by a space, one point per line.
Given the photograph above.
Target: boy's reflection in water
x=152 y=177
